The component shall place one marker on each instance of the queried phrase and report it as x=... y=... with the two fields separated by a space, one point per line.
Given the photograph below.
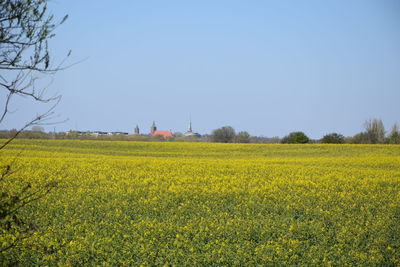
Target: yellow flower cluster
x=140 y=204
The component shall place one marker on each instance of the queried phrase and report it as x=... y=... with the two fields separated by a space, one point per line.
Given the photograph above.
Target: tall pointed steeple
x=190 y=130
x=153 y=128
x=137 y=131
x=190 y=126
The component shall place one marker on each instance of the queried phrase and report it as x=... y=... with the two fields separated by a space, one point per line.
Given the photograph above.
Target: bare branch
x=25 y=29
x=9 y=95
x=38 y=120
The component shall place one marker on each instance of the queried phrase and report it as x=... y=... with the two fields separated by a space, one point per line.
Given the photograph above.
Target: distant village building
x=165 y=134
x=153 y=128
x=190 y=131
x=154 y=131
x=136 y=130
x=101 y=133
x=118 y=133
x=162 y=133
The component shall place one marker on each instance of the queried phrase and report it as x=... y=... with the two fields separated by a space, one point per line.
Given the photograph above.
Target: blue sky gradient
x=267 y=67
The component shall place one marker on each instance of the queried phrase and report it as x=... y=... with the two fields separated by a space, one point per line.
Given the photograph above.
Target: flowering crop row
x=133 y=203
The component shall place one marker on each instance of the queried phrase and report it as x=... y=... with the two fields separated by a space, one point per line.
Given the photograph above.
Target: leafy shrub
x=333 y=138
x=296 y=138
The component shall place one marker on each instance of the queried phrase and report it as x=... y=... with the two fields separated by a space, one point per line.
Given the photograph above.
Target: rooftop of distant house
x=162 y=133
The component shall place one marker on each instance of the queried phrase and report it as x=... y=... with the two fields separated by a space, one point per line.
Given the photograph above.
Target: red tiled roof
x=163 y=133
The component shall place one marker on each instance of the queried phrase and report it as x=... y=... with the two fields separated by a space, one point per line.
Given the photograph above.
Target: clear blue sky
x=267 y=67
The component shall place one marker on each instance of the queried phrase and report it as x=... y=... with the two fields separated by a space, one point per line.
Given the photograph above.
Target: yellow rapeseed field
x=136 y=203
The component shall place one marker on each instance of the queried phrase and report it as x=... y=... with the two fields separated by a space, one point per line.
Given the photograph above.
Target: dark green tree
x=332 y=138
x=224 y=134
x=295 y=138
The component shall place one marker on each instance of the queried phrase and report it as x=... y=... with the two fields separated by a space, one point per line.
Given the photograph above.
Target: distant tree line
x=374 y=133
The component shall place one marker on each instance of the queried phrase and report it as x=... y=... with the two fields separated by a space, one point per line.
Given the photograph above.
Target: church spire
x=153 y=128
x=190 y=125
x=190 y=130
